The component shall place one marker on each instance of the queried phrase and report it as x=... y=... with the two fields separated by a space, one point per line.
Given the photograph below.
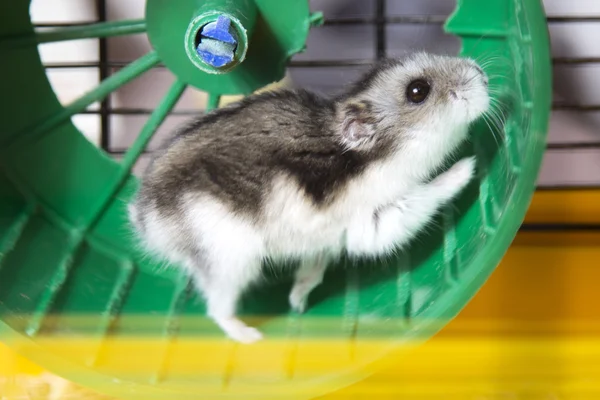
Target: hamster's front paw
x=459 y=175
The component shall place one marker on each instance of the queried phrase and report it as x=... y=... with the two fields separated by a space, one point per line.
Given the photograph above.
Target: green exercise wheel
x=78 y=297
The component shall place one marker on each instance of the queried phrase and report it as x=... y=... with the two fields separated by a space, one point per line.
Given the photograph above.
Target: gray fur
x=233 y=153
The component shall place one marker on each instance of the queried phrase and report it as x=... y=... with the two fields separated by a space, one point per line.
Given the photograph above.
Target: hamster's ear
x=357 y=123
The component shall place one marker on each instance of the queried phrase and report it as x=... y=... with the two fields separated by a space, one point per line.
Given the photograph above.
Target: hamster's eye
x=417 y=91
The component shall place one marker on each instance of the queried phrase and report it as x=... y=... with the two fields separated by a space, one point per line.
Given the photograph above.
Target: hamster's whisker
x=479 y=41
x=498 y=114
x=498 y=134
x=498 y=61
x=493 y=118
x=485 y=119
x=496 y=102
x=500 y=105
x=487 y=61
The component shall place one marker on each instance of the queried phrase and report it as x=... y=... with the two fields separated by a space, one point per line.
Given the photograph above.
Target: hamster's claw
x=298 y=301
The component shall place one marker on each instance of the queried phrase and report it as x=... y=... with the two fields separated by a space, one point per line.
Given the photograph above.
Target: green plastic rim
x=79 y=299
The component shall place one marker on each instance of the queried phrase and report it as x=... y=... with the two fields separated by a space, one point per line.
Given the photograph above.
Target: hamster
x=290 y=175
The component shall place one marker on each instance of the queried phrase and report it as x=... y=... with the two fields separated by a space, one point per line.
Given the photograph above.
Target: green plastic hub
x=71 y=273
x=266 y=34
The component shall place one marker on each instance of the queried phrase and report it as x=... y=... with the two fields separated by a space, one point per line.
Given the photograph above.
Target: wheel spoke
x=59 y=278
x=155 y=120
x=15 y=231
x=115 y=301
x=213 y=101
x=114 y=82
x=53 y=287
x=88 y=31
x=171 y=327
x=107 y=86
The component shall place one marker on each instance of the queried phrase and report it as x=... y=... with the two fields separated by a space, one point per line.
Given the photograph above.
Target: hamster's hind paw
x=298 y=300
x=239 y=331
x=246 y=335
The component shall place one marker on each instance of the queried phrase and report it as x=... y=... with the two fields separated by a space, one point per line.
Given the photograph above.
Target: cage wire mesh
x=355 y=33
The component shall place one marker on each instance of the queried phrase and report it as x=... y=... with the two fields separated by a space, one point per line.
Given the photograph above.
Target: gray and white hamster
x=290 y=175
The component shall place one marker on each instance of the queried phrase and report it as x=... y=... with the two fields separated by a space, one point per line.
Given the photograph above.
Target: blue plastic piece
x=219 y=30
x=217 y=44
x=213 y=55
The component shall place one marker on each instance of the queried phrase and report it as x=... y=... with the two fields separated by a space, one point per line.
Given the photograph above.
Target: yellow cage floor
x=532 y=332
